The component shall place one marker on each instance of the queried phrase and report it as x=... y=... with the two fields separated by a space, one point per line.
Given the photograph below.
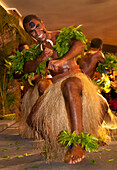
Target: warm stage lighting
x=11 y=10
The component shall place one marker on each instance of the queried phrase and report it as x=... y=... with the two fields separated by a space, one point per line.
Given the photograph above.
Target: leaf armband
x=16 y=64
x=86 y=140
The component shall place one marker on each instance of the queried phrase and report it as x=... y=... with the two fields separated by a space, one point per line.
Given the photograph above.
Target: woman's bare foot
x=74 y=155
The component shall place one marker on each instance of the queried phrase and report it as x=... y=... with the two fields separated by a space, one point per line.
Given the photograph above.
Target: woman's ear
x=42 y=22
x=43 y=26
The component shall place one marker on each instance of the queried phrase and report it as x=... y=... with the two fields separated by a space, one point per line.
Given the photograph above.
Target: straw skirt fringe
x=51 y=116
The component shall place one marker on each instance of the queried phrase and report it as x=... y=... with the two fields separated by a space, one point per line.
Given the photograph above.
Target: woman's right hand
x=47 y=53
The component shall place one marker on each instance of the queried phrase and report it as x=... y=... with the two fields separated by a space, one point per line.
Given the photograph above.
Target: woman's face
x=36 y=29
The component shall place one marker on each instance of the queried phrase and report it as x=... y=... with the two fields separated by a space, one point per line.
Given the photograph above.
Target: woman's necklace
x=47 y=40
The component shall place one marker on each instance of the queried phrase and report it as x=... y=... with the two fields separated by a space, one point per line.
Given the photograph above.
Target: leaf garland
x=86 y=140
x=17 y=63
x=109 y=64
x=62 y=46
x=67 y=33
x=104 y=84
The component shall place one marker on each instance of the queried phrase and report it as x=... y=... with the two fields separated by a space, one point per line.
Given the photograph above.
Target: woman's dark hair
x=96 y=43
x=28 y=18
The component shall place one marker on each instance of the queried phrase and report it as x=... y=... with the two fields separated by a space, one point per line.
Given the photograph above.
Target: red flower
x=113 y=104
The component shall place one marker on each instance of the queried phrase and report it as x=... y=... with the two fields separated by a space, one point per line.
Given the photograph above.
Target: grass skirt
x=50 y=115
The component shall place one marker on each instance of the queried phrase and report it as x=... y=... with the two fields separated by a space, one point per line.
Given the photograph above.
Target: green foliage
x=18 y=148
x=41 y=69
x=8 y=117
x=3 y=99
x=110 y=160
x=104 y=83
x=11 y=99
x=62 y=46
x=7 y=98
x=109 y=64
x=11 y=35
x=46 y=150
x=16 y=64
x=2 y=11
x=67 y=33
x=93 y=161
x=6 y=157
x=87 y=141
x=17 y=142
x=35 y=166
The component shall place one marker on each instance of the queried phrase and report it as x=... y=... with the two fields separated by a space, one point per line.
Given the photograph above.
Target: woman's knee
x=70 y=84
x=43 y=85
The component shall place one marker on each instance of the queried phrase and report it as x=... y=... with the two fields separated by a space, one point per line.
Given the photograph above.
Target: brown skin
x=31 y=66
x=89 y=61
x=43 y=85
x=71 y=87
x=72 y=92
